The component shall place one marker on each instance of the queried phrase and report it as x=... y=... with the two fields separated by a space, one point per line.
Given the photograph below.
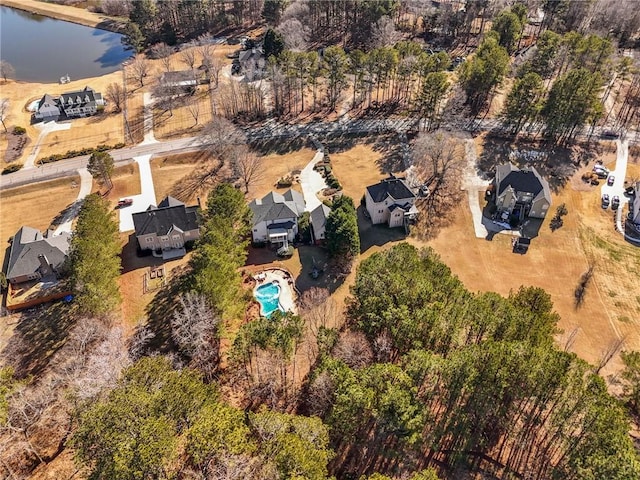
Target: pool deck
x=287 y=294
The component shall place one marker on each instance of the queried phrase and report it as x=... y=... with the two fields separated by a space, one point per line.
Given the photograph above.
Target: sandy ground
x=61 y=12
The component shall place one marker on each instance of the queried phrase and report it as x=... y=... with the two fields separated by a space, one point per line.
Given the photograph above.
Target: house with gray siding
x=318 y=222
x=34 y=256
x=275 y=217
x=634 y=206
x=520 y=194
x=47 y=109
x=167 y=228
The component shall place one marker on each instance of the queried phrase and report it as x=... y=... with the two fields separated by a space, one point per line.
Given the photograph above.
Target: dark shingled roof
x=28 y=244
x=169 y=215
x=274 y=206
x=86 y=97
x=394 y=187
x=528 y=180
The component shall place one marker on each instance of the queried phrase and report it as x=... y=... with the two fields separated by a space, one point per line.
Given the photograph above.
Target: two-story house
x=34 y=256
x=167 y=228
x=391 y=201
x=634 y=207
x=520 y=194
x=82 y=103
x=275 y=217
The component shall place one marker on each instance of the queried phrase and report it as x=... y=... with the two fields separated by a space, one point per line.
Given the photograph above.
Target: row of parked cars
x=614 y=202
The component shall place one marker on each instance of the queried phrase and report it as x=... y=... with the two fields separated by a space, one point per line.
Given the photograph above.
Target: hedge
x=19 y=130
x=14 y=167
x=78 y=153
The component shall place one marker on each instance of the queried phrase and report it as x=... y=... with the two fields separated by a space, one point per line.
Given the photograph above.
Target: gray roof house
x=47 y=109
x=252 y=63
x=275 y=217
x=181 y=78
x=391 y=201
x=634 y=207
x=167 y=228
x=520 y=194
x=81 y=103
x=318 y=221
x=34 y=256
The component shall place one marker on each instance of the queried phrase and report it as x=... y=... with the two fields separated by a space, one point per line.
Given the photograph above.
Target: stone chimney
x=45 y=267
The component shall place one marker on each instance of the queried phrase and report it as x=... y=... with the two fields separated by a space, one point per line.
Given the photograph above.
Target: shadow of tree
x=60 y=217
x=202 y=179
x=160 y=311
x=40 y=333
x=312 y=256
x=376 y=235
x=556 y=164
x=280 y=146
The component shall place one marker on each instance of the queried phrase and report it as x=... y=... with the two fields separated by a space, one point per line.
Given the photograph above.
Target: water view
x=42 y=49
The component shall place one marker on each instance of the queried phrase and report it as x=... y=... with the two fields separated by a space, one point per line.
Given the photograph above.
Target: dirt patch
x=16 y=144
x=35 y=205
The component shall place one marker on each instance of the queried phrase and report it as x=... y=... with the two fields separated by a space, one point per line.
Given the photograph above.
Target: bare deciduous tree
x=193 y=107
x=116 y=96
x=439 y=161
x=295 y=34
x=246 y=165
x=4 y=112
x=139 y=68
x=354 y=349
x=188 y=56
x=221 y=136
x=6 y=70
x=115 y=8
x=383 y=33
x=163 y=52
x=608 y=353
x=195 y=329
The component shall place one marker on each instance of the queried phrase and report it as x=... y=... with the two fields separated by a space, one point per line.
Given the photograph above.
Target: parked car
x=601 y=173
x=605 y=201
x=609 y=134
x=610 y=180
x=125 y=202
x=615 y=202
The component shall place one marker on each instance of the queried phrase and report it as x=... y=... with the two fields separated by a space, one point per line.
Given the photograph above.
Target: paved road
x=269 y=130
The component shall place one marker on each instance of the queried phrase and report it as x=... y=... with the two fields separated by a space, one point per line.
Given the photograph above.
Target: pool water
x=268 y=296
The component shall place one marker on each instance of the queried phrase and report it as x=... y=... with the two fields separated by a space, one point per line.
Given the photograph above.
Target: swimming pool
x=268 y=295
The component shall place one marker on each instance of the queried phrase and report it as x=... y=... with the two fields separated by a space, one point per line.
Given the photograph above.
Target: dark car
x=610 y=134
x=610 y=180
x=125 y=202
x=605 y=200
x=615 y=202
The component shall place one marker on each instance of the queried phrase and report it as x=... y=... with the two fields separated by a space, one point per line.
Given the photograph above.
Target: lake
x=42 y=49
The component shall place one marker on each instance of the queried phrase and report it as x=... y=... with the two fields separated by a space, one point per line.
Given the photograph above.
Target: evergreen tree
x=343 y=239
x=101 y=166
x=94 y=257
x=524 y=102
x=273 y=43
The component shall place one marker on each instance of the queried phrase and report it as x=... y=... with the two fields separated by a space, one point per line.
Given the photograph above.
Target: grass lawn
x=126 y=182
x=29 y=205
x=275 y=166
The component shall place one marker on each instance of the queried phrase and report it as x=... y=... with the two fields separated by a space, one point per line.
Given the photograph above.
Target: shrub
x=14 y=167
x=78 y=153
x=19 y=130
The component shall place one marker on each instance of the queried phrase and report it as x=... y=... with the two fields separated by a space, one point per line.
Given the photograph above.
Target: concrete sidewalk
x=86 y=182
x=312 y=182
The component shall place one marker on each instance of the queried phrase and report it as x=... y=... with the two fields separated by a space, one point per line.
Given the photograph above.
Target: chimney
x=45 y=268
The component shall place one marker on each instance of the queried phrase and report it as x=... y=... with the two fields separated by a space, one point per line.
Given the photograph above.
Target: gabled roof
x=526 y=180
x=28 y=244
x=168 y=216
x=393 y=187
x=47 y=100
x=82 y=97
x=274 y=206
x=319 y=215
x=178 y=77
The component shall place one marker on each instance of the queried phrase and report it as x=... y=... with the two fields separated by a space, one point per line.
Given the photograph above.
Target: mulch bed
x=17 y=144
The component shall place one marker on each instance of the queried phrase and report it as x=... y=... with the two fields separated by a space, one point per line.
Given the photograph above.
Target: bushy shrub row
x=14 y=167
x=78 y=153
x=17 y=130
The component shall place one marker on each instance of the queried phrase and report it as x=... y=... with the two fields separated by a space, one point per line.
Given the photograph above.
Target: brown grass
x=357 y=168
x=276 y=166
x=31 y=206
x=126 y=182
x=181 y=122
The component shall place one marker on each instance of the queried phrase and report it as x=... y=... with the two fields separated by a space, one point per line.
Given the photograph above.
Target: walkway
x=140 y=202
x=45 y=129
x=86 y=182
x=620 y=173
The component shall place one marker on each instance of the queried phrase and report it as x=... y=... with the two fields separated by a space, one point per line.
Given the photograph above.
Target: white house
x=318 y=221
x=275 y=217
x=391 y=201
x=47 y=109
x=81 y=103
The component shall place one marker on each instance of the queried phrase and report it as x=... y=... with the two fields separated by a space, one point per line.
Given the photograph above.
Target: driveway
x=619 y=174
x=148 y=120
x=45 y=129
x=312 y=182
x=140 y=202
x=473 y=184
x=86 y=181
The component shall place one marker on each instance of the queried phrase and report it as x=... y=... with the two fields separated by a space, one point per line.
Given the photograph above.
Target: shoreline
x=68 y=14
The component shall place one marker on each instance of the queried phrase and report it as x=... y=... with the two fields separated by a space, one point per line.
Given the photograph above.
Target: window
x=380 y=211
x=148 y=240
